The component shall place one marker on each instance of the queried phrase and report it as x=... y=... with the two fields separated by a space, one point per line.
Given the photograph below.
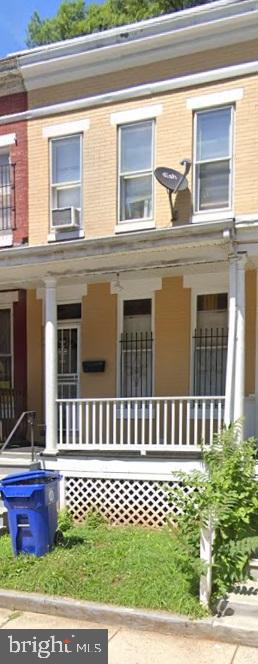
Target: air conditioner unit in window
x=65 y=218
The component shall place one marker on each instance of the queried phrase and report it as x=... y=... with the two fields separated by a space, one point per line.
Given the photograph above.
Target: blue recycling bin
x=31 y=500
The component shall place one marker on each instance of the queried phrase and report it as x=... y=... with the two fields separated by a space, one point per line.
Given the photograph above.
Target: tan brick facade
x=174 y=139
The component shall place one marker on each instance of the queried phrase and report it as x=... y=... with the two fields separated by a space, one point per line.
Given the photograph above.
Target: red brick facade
x=16 y=103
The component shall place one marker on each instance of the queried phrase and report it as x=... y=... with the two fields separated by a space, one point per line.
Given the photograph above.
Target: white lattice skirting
x=121 y=501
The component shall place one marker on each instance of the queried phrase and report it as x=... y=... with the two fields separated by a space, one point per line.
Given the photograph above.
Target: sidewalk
x=128 y=646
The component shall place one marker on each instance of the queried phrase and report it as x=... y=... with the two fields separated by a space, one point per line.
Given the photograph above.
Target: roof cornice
x=136 y=92
x=209 y=26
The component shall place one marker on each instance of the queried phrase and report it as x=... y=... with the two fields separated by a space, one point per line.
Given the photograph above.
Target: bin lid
x=31 y=477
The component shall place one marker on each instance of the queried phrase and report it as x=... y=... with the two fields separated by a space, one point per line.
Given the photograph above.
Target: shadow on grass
x=68 y=541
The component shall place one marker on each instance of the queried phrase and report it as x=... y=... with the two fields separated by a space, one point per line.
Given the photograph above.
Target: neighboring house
x=13 y=233
x=141 y=333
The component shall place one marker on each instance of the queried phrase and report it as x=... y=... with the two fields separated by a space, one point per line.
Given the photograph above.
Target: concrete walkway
x=139 y=647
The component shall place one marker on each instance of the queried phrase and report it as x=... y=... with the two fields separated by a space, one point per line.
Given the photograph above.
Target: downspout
x=230 y=369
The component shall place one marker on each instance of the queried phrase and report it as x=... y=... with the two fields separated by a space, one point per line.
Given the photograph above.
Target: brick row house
x=141 y=329
x=13 y=233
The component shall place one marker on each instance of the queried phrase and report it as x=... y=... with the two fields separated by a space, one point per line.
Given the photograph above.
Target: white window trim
x=216 y=213
x=54 y=232
x=214 y=99
x=140 y=223
x=140 y=289
x=56 y=235
x=136 y=114
x=65 y=129
x=203 y=284
x=67 y=325
x=7 y=139
x=203 y=217
x=122 y=297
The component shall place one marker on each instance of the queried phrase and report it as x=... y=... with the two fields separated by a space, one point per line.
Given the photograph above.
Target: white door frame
x=66 y=325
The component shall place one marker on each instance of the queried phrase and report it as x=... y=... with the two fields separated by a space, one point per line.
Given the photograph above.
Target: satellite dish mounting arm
x=173 y=181
x=187 y=164
x=173 y=214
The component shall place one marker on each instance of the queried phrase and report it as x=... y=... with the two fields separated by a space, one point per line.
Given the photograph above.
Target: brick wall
x=19 y=156
x=174 y=140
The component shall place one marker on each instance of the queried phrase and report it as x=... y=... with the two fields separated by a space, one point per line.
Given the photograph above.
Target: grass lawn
x=130 y=566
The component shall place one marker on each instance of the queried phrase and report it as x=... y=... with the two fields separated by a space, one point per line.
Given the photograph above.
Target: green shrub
x=224 y=494
x=65 y=520
x=94 y=519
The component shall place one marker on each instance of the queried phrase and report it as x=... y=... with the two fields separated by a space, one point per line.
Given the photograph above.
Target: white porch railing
x=139 y=424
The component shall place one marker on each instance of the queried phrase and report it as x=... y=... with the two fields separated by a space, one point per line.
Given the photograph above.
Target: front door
x=68 y=360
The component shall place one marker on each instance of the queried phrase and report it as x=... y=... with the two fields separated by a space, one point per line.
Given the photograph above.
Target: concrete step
x=16 y=467
x=243 y=600
x=18 y=460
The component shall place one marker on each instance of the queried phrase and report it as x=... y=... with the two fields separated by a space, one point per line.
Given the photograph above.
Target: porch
x=144 y=425
x=131 y=375
x=145 y=368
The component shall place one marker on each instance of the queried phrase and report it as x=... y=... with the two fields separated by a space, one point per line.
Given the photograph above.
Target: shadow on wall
x=183 y=207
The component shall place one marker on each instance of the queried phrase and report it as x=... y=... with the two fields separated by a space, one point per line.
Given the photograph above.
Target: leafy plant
x=223 y=495
x=65 y=520
x=94 y=519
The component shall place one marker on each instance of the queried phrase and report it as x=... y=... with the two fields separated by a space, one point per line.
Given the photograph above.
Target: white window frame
x=219 y=211
x=68 y=324
x=66 y=185
x=209 y=289
x=124 y=297
x=141 y=222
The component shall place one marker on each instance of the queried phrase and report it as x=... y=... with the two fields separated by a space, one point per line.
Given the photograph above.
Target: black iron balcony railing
x=210 y=359
x=7 y=197
x=136 y=362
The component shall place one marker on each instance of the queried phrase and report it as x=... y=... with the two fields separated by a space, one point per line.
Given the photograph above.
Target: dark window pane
x=66 y=166
x=213 y=134
x=5 y=331
x=212 y=302
x=214 y=181
x=136 y=198
x=5 y=372
x=137 y=307
x=69 y=311
x=136 y=147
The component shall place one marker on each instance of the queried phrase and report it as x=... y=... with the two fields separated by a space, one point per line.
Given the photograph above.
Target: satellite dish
x=173 y=181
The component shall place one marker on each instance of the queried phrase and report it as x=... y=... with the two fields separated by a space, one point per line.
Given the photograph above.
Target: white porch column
x=230 y=370
x=50 y=365
x=256 y=361
x=239 y=390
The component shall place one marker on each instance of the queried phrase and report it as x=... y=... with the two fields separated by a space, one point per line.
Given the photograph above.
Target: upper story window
x=213 y=159
x=136 y=171
x=6 y=191
x=66 y=176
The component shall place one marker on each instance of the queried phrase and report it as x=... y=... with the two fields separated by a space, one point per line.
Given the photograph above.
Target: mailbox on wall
x=93 y=366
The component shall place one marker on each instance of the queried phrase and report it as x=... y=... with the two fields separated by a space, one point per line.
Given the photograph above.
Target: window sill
x=58 y=236
x=128 y=226
x=204 y=217
x=6 y=239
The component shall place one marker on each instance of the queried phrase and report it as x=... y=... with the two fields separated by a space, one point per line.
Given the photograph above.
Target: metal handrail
x=31 y=415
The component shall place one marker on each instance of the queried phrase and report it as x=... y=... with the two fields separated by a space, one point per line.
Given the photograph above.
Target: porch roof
x=172 y=248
